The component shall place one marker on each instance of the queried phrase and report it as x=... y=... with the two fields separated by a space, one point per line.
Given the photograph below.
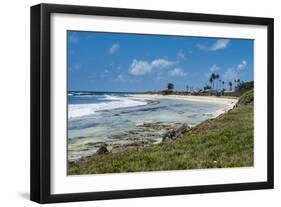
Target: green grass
x=246 y=98
x=226 y=141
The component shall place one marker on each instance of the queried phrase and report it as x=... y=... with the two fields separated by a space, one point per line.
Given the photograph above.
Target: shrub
x=246 y=98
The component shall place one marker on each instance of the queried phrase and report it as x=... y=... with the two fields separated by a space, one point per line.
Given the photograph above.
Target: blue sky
x=129 y=62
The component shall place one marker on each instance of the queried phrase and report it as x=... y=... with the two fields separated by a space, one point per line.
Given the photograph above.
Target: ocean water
x=97 y=118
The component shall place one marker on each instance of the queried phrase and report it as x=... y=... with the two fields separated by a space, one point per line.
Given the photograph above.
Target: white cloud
x=202 y=47
x=180 y=55
x=178 y=72
x=161 y=63
x=141 y=67
x=233 y=73
x=217 y=45
x=114 y=48
x=220 y=44
x=230 y=74
x=241 y=66
x=214 y=68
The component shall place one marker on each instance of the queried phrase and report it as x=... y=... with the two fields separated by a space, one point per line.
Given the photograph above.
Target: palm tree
x=213 y=77
x=238 y=81
x=211 y=81
x=230 y=85
x=170 y=87
x=217 y=77
x=223 y=84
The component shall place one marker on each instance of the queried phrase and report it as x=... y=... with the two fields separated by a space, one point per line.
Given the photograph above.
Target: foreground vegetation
x=246 y=98
x=226 y=141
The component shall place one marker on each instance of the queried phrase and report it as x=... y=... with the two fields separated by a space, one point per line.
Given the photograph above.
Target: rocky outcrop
x=175 y=133
x=102 y=150
x=145 y=135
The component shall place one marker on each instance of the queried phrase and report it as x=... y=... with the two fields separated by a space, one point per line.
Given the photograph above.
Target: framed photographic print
x=133 y=103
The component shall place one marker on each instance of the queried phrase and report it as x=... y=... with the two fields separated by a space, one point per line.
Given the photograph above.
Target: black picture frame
x=41 y=99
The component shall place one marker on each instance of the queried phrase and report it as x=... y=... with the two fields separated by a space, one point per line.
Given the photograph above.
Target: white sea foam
x=115 y=102
x=83 y=95
x=114 y=98
x=87 y=96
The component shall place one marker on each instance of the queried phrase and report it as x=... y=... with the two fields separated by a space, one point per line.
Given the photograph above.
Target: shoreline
x=173 y=133
x=230 y=102
x=208 y=99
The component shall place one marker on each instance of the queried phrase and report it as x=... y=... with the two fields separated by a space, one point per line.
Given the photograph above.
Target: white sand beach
x=229 y=102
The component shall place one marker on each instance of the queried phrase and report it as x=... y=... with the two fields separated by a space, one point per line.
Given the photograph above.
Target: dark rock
x=134 y=144
x=184 y=128
x=154 y=126
x=71 y=162
x=175 y=133
x=102 y=150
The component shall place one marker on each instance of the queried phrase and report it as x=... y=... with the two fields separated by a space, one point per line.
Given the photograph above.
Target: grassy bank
x=226 y=141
